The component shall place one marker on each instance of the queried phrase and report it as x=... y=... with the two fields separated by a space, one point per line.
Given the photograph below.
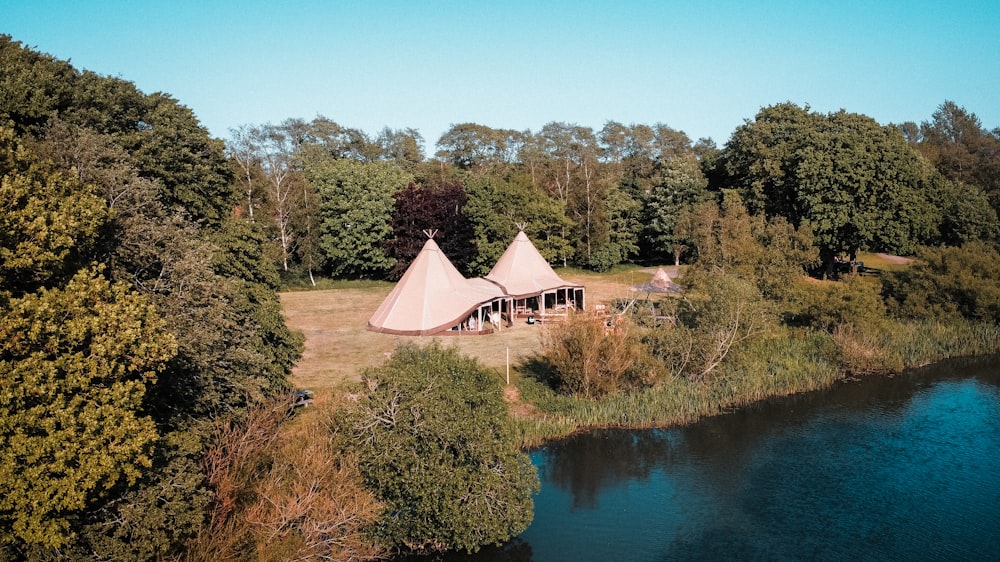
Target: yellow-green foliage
x=74 y=365
x=46 y=217
x=825 y=305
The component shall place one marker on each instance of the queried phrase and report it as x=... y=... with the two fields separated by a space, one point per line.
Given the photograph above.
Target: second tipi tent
x=525 y=275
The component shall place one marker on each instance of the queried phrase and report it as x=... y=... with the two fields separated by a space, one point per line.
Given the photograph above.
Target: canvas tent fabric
x=523 y=272
x=533 y=285
x=432 y=297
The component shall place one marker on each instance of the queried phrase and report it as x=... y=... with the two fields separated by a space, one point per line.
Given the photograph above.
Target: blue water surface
x=902 y=468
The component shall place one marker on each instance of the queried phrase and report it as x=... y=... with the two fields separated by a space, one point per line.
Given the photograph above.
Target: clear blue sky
x=701 y=67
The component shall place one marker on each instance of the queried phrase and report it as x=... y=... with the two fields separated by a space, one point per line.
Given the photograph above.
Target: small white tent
x=433 y=297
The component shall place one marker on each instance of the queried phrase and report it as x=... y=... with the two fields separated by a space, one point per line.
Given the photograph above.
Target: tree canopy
x=856 y=183
x=431 y=433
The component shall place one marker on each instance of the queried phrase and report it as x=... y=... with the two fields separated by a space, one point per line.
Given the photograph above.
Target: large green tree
x=434 y=443
x=356 y=205
x=74 y=367
x=858 y=184
x=479 y=148
x=960 y=147
x=497 y=207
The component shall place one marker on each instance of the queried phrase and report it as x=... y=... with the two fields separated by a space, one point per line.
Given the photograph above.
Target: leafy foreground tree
x=433 y=442
x=113 y=373
x=74 y=365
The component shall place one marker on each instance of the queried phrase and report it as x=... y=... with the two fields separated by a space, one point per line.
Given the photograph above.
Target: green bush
x=434 y=443
x=947 y=282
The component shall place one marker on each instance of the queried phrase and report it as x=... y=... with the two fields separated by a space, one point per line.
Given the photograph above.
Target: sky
x=700 y=67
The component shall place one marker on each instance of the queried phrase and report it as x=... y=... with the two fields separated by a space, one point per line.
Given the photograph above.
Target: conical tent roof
x=660 y=279
x=660 y=283
x=523 y=272
x=431 y=297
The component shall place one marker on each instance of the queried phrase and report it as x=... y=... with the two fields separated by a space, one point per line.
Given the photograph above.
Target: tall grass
x=794 y=361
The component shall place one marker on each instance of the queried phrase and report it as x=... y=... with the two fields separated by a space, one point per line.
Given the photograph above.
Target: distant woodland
x=142 y=347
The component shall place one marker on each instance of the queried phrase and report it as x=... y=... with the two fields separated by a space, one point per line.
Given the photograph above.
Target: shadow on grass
x=539 y=370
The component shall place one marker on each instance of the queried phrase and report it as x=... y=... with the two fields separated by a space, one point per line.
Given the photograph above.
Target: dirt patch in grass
x=338 y=344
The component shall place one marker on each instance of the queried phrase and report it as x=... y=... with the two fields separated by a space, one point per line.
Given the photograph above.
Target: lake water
x=901 y=468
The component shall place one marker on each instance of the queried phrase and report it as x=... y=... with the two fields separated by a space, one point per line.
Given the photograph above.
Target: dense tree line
x=596 y=199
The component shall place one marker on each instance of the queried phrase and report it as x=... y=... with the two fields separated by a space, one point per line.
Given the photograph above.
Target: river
x=888 y=468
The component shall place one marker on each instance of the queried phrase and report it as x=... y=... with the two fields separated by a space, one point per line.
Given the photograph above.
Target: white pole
x=508 y=365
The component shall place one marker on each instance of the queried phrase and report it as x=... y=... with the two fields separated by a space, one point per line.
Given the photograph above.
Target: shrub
x=282 y=491
x=719 y=314
x=434 y=443
x=945 y=282
x=854 y=300
x=591 y=358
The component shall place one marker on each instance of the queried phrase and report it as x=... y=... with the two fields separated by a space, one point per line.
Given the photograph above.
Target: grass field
x=338 y=345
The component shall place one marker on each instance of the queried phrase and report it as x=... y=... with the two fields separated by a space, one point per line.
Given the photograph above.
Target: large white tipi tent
x=433 y=297
x=525 y=275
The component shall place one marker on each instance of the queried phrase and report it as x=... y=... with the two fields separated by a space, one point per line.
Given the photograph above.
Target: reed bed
x=793 y=362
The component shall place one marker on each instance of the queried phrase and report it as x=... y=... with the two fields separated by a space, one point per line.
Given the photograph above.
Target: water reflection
x=904 y=468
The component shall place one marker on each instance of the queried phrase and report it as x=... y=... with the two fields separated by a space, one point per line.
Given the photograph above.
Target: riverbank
x=794 y=362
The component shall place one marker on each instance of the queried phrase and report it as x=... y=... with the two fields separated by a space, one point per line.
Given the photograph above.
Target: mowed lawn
x=338 y=345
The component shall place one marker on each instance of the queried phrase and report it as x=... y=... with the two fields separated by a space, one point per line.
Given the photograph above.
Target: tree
x=277 y=156
x=422 y=208
x=98 y=172
x=404 y=148
x=356 y=206
x=771 y=254
x=678 y=185
x=244 y=149
x=49 y=221
x=858 y=184
x=74 y=366
x=964 y=210
x=434 y=443
x=958 y=145
x=470 y=146
x=171 y=146
x=719 y=314
x=497 y=207
x=624 y=225
x=323 y=138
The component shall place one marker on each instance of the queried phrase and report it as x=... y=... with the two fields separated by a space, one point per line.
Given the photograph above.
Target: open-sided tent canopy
x=524 y=274
x=433 y=297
